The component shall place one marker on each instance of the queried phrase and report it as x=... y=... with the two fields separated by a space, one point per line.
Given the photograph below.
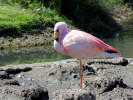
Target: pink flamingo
x=80 y=45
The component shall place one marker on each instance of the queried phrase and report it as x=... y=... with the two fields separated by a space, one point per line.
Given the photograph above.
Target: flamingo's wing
x=107 y=48
x=79 y=45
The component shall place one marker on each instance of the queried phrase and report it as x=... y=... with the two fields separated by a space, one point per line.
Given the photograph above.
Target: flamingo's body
x=79 y=44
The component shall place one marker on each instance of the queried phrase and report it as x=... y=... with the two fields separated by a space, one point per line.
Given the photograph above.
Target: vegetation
x=13 y=19
x=113 y=2
x=89 y=15
x=19 y=16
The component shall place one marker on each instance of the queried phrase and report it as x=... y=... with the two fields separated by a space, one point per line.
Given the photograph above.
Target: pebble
x=131 y=63
x=22 y=84
x=19 y=76
x=29 y=78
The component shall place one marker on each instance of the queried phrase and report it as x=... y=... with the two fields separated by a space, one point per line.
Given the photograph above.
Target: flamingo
x=80 y=45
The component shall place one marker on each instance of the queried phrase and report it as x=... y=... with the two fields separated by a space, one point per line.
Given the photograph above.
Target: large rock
x=4 y=75
x=15 y=69
x=101 y=84
x=115 y=61
x=117 y=94
x=72 y=94
x=9 y=82
x=13 y=92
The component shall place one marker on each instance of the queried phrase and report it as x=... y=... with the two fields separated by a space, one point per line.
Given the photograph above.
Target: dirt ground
x=104 y=79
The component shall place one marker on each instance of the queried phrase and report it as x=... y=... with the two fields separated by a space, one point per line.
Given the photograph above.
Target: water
x=123 y=43
x=30 y=55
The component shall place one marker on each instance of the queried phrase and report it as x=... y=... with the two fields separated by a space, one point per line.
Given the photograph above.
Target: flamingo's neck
x=58 y=45
x=62 y=35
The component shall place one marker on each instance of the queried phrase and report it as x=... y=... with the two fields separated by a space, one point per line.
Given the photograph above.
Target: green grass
x=50 y=17
x=113 y=2
x=84 y=14
x=89 y=15
x=13 y=19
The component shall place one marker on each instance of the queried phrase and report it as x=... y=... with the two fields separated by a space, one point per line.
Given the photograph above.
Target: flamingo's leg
x=81 y=74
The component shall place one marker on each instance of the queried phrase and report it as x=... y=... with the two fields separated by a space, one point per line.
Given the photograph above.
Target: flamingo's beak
x=56 y=35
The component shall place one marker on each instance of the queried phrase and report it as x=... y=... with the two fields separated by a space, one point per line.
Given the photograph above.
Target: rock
x=4 y=75
x=19 y=76
x=120 y=61
x=88 y=69
x=101 y=76
x=15 y=69
x=101 y=84
x=23 y=93
x=25 y=69
x=115 y=61
x=117 y=94
x=8 y=82
x=73 y=94
x=131 y=63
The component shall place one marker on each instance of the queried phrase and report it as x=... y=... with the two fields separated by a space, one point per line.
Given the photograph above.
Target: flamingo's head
x=59 y=28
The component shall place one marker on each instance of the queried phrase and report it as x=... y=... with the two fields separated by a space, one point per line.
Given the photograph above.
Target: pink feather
x=81 y=45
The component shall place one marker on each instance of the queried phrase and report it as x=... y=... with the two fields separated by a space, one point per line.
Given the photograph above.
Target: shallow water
x=122 y=42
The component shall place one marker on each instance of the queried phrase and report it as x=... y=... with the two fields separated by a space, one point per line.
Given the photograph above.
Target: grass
x=89 y=15
x=13 y=19
x=85 y=14
x=51 y=16
x=113 y=2
x=16 y=18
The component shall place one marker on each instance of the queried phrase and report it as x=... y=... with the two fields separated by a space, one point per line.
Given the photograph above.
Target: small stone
x=29 y=78
x=25 y=69
x=131 y=63
x=19 y=76
x=22 y=84
x=75 y=76
x=23 y=9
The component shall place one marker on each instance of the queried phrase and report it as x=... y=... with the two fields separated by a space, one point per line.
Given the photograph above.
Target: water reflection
x=30 y=55
x=123 y=42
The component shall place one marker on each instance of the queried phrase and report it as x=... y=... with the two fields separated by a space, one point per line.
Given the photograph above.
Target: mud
x=103 y=79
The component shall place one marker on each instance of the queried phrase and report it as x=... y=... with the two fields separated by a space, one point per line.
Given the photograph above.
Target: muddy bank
x=42 y=37
x=39 y=38
x=109 y=79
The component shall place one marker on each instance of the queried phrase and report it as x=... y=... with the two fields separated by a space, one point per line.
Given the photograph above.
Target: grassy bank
x=18 y=17
x=23 y=16
x=13 y=20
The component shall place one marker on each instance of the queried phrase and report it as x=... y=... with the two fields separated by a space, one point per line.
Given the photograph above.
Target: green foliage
x=113 y=2
x=89 y=15
x=13 y=19
x=86 y=14
x=50 y=17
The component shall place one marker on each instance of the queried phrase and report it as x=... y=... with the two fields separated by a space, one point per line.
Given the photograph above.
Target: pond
x=122 y=42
